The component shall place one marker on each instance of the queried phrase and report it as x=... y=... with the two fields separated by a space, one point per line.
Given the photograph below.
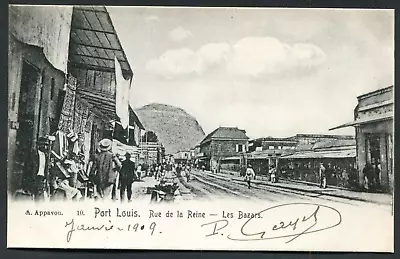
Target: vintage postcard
x=266 y=129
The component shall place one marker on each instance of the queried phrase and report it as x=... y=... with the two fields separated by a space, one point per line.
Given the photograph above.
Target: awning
x=94 y=42
x=231 y=158
x=326 y=154
x=47 y=27
x=122 y=149
x=369 y=119
x=107 y=106
x=199 y=155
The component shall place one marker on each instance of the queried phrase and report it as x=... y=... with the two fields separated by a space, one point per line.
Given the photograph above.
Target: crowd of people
x=47 y=175
x=372 y=172
x=105 y=176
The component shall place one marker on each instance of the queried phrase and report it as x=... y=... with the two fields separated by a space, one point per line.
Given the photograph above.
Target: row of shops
x=299 y=157
x=66 y=70
x=302 y=164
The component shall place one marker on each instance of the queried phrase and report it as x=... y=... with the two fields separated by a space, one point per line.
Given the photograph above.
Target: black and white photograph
x=200 y=128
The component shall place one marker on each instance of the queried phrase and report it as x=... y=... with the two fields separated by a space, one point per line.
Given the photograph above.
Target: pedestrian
x=126 y=176
x=139 y=172
x=34 y=171
x=164 y=169
x=178 y=170
x=368 y=172
x=214 y=166
x=249 y=175
x=272 y=173
x=152 y=170
x=92 y=193
x=116 y=186
x=105 y=169
x=157 y=171
x=187 y=172
x=322 y=176
x=377 y=174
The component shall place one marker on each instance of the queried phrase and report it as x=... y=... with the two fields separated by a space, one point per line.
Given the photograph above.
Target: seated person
x=64 y=181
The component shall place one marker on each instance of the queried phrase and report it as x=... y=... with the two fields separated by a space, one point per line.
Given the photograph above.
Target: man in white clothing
x=249 y=175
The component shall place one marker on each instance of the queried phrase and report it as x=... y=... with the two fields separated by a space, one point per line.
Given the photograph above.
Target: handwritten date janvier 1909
x=268 y=223
x=283 y=221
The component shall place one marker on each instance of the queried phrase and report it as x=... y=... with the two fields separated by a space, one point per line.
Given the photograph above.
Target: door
x=26 y=114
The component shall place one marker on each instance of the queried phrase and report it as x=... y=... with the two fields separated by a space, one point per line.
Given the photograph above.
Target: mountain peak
x=161 y=107
x=174 y=127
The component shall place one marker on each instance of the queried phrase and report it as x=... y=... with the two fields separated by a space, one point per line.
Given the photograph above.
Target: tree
x=150 y=136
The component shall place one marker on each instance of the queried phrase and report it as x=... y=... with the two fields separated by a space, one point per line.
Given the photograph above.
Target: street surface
x=208 y=186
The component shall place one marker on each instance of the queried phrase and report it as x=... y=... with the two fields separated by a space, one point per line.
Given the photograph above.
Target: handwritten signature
x=281 y=221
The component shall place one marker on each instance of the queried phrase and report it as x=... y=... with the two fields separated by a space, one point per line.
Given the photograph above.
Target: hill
x=175 y=128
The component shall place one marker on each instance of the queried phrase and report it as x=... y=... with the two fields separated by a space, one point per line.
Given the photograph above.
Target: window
x=241 y=148
x=279 y=147
x=271 y=147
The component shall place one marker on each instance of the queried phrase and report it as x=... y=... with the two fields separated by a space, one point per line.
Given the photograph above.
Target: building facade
x=337 y=155
x=373 y=122
x=61 y=82
x=151 y=153
x=223 y=143
x=270 y=143
x=265 y=152
x=183 y=156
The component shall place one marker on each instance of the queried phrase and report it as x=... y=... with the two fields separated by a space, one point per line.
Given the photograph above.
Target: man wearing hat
x=249 y=175
x=126 y=176
x=322 y=175
x=34 y=175
x=105 y=169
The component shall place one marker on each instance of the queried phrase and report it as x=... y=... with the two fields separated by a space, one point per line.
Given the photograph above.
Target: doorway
x=26 y=114
x=374 y=155
x=374 y=152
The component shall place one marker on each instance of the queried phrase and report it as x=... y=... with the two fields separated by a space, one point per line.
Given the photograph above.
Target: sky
x=273 y=72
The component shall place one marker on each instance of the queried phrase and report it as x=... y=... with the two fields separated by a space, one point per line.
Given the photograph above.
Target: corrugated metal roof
x=93 y=44
x=269 y=153
x=304 y=147
x=94 y=41
x=369 y=119
x=334 y=143
x=323 y=154
x=107 y=106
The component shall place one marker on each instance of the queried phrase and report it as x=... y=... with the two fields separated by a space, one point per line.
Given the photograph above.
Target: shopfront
x=375 y=146
x=373 y=122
